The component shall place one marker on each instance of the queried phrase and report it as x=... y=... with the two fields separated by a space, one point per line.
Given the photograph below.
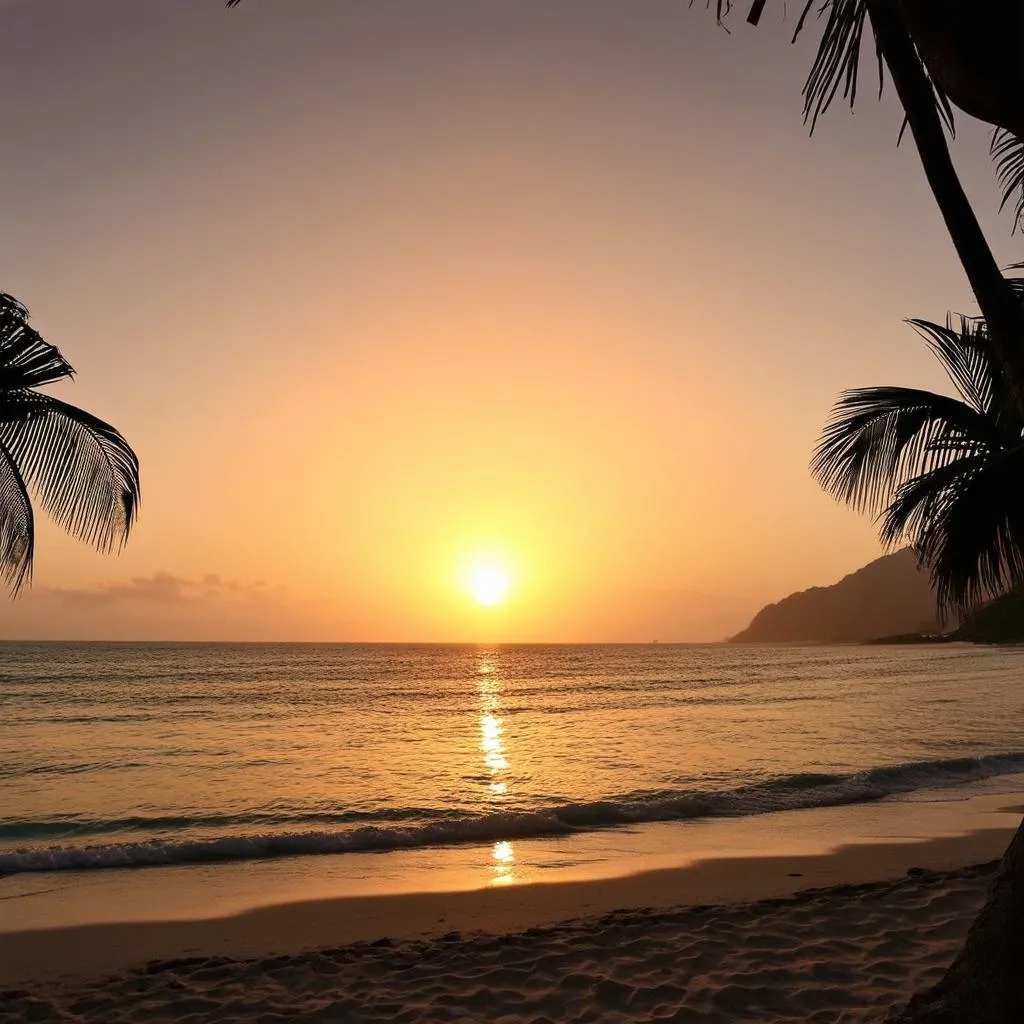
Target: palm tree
x=937 y=51
x=947 y=475
x=972 y=51
x=81 y=470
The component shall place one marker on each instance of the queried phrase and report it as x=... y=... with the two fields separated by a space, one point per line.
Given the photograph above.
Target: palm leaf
x=17 y=524
x=878 y=437
x=1008 y=152
x=921 y=499
x=963 y=348
x=84 y=472
x=25 y=359
x=965 y=520
x=946 y=475
x=975 y=549
x=964 y=357
x=837 y=62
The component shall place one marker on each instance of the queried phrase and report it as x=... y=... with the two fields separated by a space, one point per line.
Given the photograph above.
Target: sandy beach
x=479 y=540
x=807 y=896
x=839 y=937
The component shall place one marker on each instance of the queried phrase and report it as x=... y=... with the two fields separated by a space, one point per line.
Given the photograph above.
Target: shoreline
x=44 y=957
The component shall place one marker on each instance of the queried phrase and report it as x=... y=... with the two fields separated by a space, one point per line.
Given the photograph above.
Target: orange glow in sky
x=511 y=321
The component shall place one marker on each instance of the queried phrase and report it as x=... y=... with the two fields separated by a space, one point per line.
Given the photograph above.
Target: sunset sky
x=382 y=288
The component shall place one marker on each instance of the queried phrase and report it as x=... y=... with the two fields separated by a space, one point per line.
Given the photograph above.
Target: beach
x=835 y=935
x=844 y=953
x=545 y=608
x=356 y=833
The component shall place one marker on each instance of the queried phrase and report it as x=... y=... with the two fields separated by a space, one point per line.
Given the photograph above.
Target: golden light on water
x=495 y=756
x=493 y=746
x=492 y=727
x=503 y=859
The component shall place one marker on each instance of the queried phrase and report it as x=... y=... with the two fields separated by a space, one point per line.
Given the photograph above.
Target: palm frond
x=876 y=438
x=947 y=476
x=966 y=362
x=84 y=472
x=975 y=547
x=965 y=521
x=17 y=524
x=25 y=359
x=837 y=62
x=836 y=65
x=1008 y=152
x=962 y=347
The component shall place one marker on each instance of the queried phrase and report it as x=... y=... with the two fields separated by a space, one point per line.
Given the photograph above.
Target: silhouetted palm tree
x=944 y=474
x=947 y=475
x=946 y=471
x=972 y=50
x=80 y=469
x=937 y=51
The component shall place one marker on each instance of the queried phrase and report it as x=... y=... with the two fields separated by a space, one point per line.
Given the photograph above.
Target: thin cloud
x=162 y=588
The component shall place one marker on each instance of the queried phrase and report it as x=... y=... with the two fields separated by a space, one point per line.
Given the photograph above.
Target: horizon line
x=392 y=643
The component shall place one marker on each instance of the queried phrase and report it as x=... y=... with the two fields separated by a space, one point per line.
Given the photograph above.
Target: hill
x=887 y=596
x=999 y=622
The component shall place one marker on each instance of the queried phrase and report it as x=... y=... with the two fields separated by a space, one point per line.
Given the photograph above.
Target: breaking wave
x=272 y=837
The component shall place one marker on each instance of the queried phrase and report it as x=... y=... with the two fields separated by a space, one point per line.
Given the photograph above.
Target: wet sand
x=833 y=937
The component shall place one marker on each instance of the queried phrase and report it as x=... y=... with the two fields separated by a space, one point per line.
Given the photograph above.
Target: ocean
x=114 y=755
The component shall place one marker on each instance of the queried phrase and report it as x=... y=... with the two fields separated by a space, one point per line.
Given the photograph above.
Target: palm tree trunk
x=1001 y=310
x=985 y=984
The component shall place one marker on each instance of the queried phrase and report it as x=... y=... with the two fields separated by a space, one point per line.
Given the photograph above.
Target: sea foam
x=787 y=792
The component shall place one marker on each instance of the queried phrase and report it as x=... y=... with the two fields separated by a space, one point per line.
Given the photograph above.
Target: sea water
x=140 y=754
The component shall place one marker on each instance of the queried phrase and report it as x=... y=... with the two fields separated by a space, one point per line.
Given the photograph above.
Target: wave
x=789 y=792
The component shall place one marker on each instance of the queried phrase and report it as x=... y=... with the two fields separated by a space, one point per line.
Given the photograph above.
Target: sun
x=489 y=584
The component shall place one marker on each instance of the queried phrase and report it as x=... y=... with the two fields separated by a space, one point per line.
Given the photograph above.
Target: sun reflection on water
x=503 y=858
x=495 y=756
x=492 y=726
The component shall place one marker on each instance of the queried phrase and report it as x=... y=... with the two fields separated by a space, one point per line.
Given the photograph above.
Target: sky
x=379 y=289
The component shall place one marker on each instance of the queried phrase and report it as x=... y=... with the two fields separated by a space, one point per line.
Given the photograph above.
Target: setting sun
x=489 y=584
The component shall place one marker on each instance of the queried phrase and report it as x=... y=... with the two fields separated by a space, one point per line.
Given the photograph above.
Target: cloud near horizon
x=162 y=588
x=209 y=606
